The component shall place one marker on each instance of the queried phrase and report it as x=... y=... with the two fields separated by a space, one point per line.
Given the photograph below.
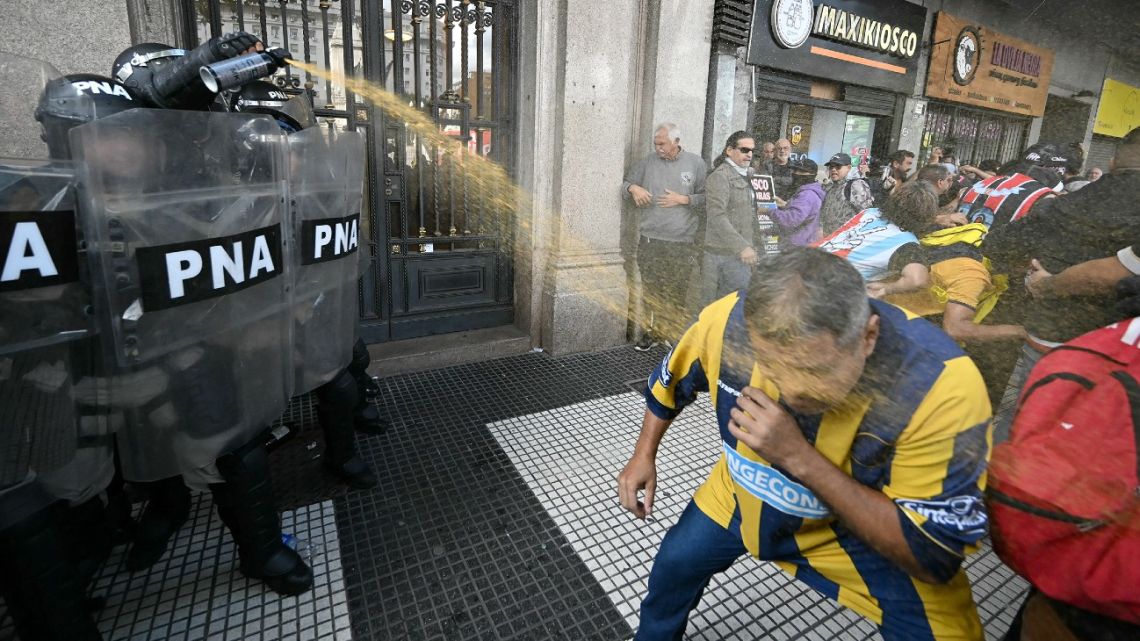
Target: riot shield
x=48 y=349
x=326 y=177
x=185 y=224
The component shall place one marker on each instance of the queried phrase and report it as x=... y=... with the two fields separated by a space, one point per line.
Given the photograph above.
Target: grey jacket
x=730 y=208
x=686 y=176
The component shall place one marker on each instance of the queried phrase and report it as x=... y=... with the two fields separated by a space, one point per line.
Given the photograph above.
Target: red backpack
x=1065 y=489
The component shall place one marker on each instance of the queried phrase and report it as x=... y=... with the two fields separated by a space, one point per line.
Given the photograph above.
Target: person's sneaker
x=644 y=344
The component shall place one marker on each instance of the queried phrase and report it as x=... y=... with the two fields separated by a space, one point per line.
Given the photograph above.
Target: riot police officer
x=55 y=454
x=325 y=289
x=205 y=421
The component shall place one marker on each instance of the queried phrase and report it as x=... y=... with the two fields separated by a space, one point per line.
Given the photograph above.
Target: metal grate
x=441 y=252
x=973 y=135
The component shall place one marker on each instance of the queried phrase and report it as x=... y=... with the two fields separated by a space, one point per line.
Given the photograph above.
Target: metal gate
x=973 y=135
x=441 y=258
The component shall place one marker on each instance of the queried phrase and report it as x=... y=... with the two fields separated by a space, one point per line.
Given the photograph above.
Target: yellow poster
x=1119 y=110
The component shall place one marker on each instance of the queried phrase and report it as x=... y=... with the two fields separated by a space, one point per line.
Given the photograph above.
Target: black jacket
x=1060 y=232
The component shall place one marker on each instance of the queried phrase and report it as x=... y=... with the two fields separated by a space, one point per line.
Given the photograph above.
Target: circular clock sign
x=967 y=55
x=791 y=22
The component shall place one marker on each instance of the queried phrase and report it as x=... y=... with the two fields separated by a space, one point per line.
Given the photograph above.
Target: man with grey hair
x=854 y=452
x=779 y=167
x=667 y=187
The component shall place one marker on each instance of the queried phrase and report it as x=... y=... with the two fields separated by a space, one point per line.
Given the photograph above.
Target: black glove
x=178 y=85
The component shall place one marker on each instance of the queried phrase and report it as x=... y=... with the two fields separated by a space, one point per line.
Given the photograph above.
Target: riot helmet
x=145 y=58
x=259 y=97
x=1055 y=157
x=76 y=99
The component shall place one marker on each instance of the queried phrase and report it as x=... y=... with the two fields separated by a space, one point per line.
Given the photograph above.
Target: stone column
x=79 y=36
x=75 y=36
x=729 y=93
x=680 y=88
x=574 y=121
x=156 y=21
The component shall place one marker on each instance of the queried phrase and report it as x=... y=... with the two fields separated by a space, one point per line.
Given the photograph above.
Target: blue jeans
x=721 y=275
x=1003 y=417
x=693 y=551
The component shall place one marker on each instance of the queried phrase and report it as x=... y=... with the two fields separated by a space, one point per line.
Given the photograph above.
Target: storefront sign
x=1119 y=110
x=978 y=66
x=874 y=43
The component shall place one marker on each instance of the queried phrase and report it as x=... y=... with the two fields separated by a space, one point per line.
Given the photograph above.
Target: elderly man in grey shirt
x=667 y=187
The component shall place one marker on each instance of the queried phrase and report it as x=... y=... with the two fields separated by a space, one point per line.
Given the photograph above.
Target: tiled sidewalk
x=496 y=518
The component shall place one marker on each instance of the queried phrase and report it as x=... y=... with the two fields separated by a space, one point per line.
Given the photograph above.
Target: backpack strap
x=1084 y=525
x=1132 y=391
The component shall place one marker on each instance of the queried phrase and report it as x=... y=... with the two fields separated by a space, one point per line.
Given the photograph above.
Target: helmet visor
x=22 y=82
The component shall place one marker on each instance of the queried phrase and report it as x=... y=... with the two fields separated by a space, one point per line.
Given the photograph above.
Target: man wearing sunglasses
x=730 y=209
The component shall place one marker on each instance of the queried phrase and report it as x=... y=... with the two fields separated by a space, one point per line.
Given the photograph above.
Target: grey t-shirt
x=684 y=175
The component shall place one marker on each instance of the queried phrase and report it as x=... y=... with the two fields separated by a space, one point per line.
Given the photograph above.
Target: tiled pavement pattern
x=459 y=543
x=196 y=591
x=573 y=474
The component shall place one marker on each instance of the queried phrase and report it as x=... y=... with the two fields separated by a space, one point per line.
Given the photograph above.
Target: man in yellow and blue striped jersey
x=855 y=439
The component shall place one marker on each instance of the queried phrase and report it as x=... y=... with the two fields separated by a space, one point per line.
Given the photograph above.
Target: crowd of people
x=856 y=374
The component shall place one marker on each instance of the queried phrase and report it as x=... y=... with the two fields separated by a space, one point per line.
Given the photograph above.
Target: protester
x=843 y=198
x=798 y=218
x=898 y=172
x=870 y=240
x=815 y=387
x=1092 y=223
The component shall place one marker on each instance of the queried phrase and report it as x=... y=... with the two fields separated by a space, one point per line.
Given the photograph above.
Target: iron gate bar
x=418 y=11
x=241 y=15
x=215 y=16
x=480 y=28
x=308 y=56
x=397 y=52
x=432 y=66
x=449 y=30
x=465 y=132
x=285 y=39
x=348 y=10
x=449 y=168
x=372 y=49
x=328 y=59
x=261 y=19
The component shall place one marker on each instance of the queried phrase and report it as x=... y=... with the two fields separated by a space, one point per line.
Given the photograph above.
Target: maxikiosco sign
x=874 y=43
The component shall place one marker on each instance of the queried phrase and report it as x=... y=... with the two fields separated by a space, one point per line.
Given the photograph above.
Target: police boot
x=361 y=359
x=167 y=508
x=365 y=415
x=245 y=503
x=39 y=585
x=366 y=418
x=336 y=401
x=87 y=535
x=119 y=511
